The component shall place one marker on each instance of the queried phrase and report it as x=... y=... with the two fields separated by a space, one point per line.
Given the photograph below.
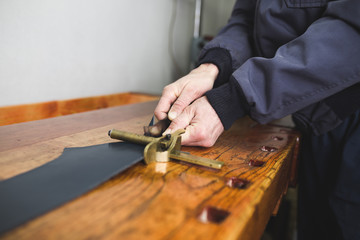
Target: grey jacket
x=278 y=57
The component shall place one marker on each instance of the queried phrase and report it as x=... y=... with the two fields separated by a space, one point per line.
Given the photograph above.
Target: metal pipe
x=197 y=23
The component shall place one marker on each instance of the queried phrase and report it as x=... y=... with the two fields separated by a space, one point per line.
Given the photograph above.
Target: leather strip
x=75 y=172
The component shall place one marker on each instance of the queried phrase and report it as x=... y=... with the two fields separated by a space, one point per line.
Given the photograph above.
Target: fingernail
x=167 y=131
x=155 y=131
x=172 y=115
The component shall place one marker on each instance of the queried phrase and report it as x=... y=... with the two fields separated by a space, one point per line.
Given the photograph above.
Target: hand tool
x=162 y=149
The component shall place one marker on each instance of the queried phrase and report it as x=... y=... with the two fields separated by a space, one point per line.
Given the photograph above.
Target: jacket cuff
x=222 y=59
x=228 y=102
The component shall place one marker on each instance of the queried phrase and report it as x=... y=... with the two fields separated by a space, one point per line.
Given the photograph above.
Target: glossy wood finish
x=160 y=200
x=37 y=111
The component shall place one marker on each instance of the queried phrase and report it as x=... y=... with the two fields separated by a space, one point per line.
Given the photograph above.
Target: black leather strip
x=74 y=173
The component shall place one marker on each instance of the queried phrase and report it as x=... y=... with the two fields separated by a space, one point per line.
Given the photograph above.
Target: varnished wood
x=37 y=111
x=160 y=200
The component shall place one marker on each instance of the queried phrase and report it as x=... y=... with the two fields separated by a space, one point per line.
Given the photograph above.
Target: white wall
x=64 y=49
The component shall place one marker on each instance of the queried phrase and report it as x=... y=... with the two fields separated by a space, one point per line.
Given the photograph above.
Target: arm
x=227 y=52
x=232 y=46
x=181 y=101
x=319 y=63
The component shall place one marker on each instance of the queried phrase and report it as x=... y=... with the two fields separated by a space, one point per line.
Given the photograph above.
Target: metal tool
x=164 y=148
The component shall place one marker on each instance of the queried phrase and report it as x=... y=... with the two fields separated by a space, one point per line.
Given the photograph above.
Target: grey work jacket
x=287 y=56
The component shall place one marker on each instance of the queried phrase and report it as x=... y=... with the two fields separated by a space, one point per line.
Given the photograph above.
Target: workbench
x=172 y=200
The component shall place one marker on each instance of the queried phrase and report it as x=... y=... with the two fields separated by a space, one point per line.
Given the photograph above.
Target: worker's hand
x=178 y=95
x=202 y=124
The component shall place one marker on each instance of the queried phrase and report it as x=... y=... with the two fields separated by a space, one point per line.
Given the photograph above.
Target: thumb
x=186 y=97
x=182 y=121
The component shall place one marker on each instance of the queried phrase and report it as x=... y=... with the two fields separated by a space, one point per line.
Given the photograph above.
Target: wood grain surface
x=160 y=200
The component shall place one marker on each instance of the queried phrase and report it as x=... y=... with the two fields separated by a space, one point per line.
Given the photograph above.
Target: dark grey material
x=74 y=173
x=152 y=121
x=286 y=55
x=317 y=118
x=329 y=183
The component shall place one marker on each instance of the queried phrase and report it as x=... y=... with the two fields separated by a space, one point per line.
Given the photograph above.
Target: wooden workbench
x=163 y=200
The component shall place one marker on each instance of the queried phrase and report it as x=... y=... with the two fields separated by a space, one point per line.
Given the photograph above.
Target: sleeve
x=232 y=46
x=319 y=63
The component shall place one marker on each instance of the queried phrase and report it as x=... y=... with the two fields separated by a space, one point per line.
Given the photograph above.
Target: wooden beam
x=37 y=111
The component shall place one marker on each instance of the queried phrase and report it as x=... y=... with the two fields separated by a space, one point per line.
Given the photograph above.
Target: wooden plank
x=42 y=130
x=163 y=200
x=37 y=111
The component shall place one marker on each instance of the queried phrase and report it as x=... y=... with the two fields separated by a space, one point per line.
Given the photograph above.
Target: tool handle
x=130 y=137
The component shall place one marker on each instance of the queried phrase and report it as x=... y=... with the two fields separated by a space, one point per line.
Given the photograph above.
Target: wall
x=215 y=15
x=64 y=49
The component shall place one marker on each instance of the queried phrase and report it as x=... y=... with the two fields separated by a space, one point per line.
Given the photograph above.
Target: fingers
x=201 y=134
x=187 y=96
x=157 y=129
x=169 y=95
x=178 y=95
x=175 y=98
x=197 y=136
x=202 y=125
x=182 y=121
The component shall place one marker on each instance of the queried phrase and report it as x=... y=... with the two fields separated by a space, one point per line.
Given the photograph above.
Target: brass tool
x=164 y=148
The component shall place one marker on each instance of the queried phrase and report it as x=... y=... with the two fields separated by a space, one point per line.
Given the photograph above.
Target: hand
x=180 y=94
x=202 y=124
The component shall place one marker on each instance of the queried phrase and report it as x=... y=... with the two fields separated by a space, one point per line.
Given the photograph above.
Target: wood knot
x=211 y=214
x=235 y=182
x=268 y=149
x=277 y=138
x=256 y=163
